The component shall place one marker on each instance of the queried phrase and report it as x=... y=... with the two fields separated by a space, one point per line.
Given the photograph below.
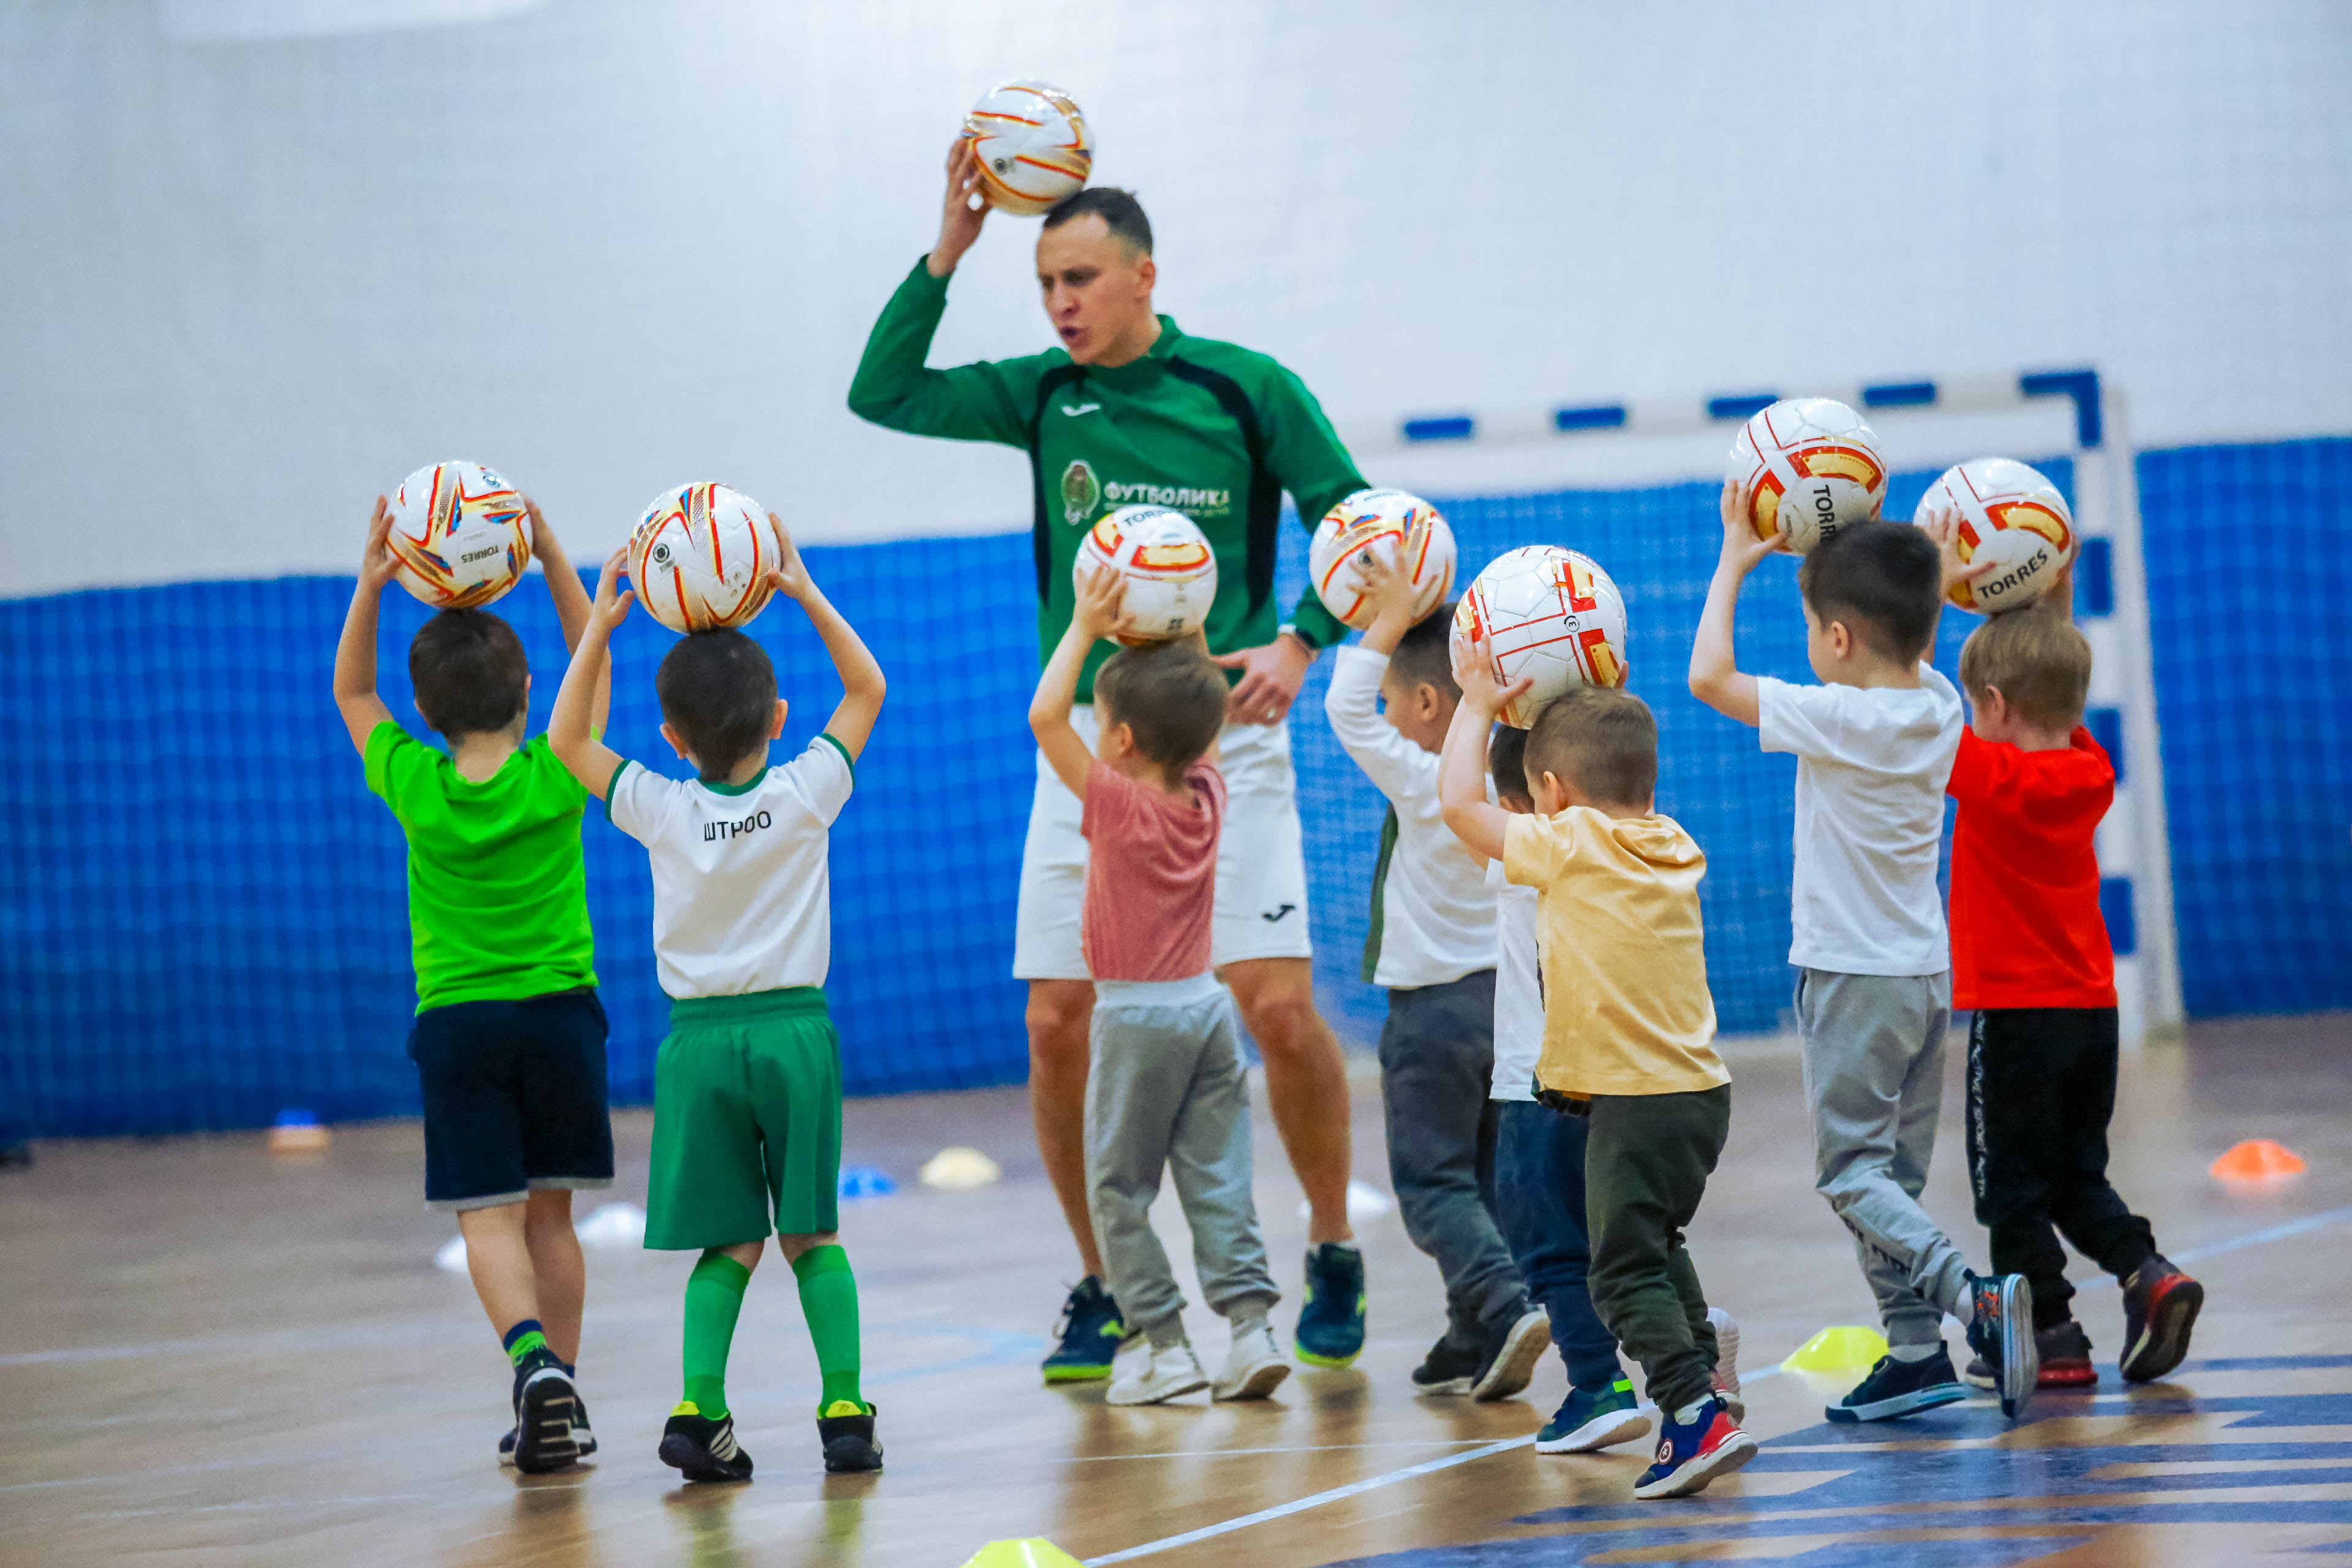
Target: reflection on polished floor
x=209 y=1355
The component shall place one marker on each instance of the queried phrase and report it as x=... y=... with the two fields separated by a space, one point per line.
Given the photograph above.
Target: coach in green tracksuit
x=1130 y=409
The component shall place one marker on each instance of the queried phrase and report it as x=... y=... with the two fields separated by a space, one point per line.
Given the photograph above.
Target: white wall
x=260 y=257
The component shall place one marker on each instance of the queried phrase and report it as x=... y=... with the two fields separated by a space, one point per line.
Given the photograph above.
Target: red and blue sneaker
x=2160 y=1306
x=1693 y=1453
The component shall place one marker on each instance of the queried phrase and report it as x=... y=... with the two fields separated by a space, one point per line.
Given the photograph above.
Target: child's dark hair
x=1425 y=655
x=469 y=673
x=1170 y=695
x=1507 y=759
x=717 y=690
x=2037 y=658
x=1602 y=741
x=1883 y=580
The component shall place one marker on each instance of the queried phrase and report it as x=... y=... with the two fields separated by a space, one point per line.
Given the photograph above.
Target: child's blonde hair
x=2038 y=659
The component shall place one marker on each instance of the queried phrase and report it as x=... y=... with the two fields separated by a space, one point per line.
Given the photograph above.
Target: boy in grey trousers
x=1165 y=1088
x=1874 y=743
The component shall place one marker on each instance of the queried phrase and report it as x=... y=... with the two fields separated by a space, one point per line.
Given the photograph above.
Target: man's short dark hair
x=717 y=690
x=470 y=673
x=1507 y=760
x=1424 y=653
x=1602 y=742
x=1120 y=212
x=2039 y=660
x=1883 y=580
x=1170 y=695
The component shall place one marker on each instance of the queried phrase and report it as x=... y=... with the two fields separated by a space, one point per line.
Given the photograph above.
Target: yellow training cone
x=1034 y=1554
x=1838 y=1352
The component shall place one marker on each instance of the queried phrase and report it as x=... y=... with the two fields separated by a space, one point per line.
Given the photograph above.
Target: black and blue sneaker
x=1331 y=1316
x=2000 y=1330
x=1896 y=1387
x=703 y=1449
x=1087 y=1337
x=846 y=1431
x=1593 y=1418
x=545 y=1404
x=584 y=1438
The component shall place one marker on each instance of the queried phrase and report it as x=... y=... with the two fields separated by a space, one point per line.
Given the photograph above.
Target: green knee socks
x=714 y=1298
x=829 y=1301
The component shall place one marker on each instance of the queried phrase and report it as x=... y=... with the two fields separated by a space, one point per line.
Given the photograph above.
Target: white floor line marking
x=1299 y=1448
x=1283 y=1509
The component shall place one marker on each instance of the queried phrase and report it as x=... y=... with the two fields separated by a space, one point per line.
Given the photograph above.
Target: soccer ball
x=700 y=557
x=1547 y=612
x=2012 y=515
x=1815 y=467
x=460 y=535
x=1394 y=524
x=1031 y=146
x=1172 y=573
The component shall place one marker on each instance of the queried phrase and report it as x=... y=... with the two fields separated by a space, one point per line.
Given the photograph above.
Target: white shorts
x=1261 y=863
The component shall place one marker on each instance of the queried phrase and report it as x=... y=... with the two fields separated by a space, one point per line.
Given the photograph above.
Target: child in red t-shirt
x=2030 y=957
x=1165 y=1086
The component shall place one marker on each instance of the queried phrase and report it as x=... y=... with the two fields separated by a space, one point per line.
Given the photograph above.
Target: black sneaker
x=581 y=1435
x=2160 y=1306
x=1331 y=1316
x=544 y=1404
x=1087 y=1337
x=1448 y=1368
x=847 y=1434
x=704 y=1449
x=1508 y=1360
x=1900 y=1388
x=2000 y=1330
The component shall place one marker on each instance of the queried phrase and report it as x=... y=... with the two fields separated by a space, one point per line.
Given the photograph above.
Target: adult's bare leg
x=1058 y=1014
x=1306 y=1083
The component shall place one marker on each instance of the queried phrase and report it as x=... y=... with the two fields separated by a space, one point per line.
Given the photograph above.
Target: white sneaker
x=1254 y=1367
x=1161 y=1375
x=1727 y=1362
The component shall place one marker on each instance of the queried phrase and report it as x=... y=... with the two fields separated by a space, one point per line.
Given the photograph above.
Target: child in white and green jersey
x=747 y=1086
x=510 y=1037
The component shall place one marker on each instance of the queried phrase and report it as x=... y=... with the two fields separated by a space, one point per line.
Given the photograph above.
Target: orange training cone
x=2257 y=1159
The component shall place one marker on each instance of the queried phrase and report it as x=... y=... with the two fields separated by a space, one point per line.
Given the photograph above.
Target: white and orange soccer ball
x=1031 y=146
x=1814 y=468
x=700 y=557
x=1549 y=613
x=1170 y=572
x=2012 y=515
x=460 y=535
x=1402 y=528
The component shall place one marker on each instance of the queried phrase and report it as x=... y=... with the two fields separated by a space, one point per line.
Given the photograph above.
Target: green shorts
x=747 y=1111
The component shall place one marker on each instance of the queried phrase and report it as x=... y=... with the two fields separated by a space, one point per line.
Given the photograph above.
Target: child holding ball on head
x=1165 y=1086
x=747 y=1086
x=2030 y=958
x=1432 y=947
x=510 y=1037
x=1874 y=743
x=1629 y=1027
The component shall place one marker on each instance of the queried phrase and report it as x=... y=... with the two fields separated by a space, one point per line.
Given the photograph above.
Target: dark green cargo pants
x=1646 y=1163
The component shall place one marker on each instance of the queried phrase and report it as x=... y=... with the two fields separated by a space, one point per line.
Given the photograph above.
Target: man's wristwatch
x=1290 y=629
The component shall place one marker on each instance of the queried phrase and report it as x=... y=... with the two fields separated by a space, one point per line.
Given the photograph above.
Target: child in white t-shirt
x=1432 y=947
x=1874 y=743
x=747 y=1086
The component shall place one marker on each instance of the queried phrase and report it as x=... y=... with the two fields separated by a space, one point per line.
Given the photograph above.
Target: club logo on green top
x=1081 y=491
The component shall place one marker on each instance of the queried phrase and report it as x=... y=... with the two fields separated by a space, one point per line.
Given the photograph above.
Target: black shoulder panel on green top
x=1264 y=505
x=1041 y=540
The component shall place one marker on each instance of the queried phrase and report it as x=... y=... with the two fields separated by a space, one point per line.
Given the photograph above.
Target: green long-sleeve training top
x=1207 y=428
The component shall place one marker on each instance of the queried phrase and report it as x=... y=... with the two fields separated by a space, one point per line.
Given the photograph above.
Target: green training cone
x=1838 y=1351
x=1037 y=1552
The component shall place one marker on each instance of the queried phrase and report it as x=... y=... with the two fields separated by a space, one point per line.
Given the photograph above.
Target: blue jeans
x=1539 y=1197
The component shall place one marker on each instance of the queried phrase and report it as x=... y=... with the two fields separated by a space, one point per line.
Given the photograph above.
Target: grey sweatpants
x=1165 y=1089
x=1875 y=1080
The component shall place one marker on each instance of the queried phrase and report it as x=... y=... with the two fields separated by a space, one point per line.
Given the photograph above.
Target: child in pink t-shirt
x=1164 y=1085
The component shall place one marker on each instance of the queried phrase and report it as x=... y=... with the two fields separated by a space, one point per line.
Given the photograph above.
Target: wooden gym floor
x=210 y=1355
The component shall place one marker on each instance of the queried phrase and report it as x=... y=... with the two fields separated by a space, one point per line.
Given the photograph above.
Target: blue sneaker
x=2000 y=1330
x=1087 y=1337
x=1331 y=1318
x=1594 y=1418
x=1693 y=1453
x=1900 y=1388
